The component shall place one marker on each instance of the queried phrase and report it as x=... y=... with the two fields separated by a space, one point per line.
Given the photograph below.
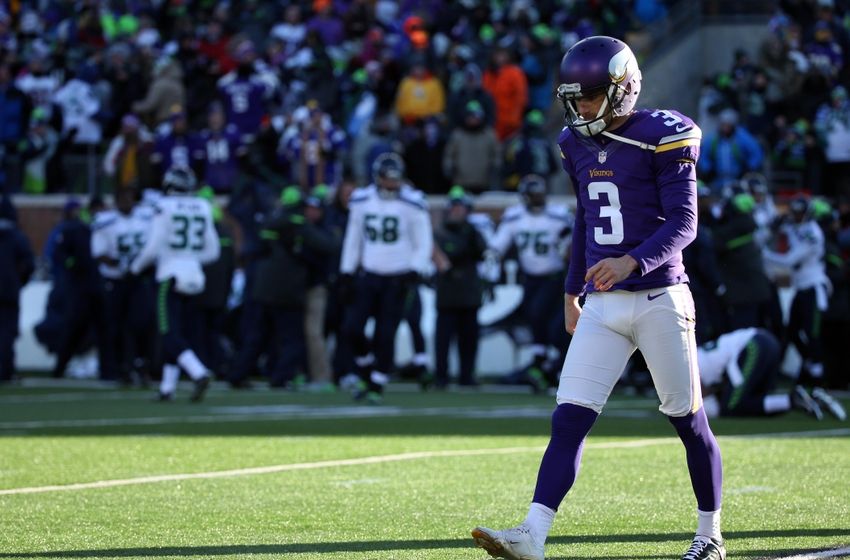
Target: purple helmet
x=598 y=65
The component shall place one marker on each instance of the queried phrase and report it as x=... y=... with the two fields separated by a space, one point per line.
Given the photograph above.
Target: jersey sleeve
x=575 y=283
x=501 y=241
x=674 y=161
x=423 y=240
x=352 y=244
x=156 y=239
x=212 y=244
x=100 y=239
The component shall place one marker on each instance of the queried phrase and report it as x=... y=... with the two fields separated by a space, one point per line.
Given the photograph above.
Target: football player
x=738 y=373
x=117 y=237
x=634 y=175
x=540 y=232
x=181 y=240
x=387 y=245
x=804 y=261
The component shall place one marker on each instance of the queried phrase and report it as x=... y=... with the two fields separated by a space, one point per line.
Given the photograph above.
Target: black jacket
x=283 y=274
x=219 y=274
x=460 y=287
x=16 y=261
x=739 y=259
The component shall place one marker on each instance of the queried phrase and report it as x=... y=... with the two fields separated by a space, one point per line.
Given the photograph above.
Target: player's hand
x=608 y=272
x=572 y=311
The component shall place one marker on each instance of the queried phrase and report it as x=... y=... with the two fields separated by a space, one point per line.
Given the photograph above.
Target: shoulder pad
x=514 y=212
x=414 y=197
x=669 y=130
x=104 y=219
x=558 y=212
x=362 y=194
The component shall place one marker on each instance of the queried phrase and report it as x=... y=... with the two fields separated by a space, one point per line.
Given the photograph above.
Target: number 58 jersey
x=636 y=195
x=387 y=236
x=182 y=240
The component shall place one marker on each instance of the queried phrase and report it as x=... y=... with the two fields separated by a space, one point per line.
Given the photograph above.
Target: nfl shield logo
x=603 y=156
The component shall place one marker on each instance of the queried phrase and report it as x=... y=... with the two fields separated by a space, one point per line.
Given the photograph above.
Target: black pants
x=9 y=314
x=543 y=307
x=176 y=315
x=759 y=365
x=413 y=317
x=383 y=298
x=129 y=333
x=804 y=332
x=83 y=315
x=280 y=332
x=460 y=325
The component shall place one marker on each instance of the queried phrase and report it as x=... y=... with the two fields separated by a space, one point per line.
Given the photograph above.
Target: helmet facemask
x=570 y=93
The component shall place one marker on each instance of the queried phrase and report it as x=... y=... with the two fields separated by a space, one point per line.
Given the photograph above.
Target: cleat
x=201 y=386
x=374 y=398
x=706 y=548
x=537 y=379
x=164 y=397
x=426 y=379
x=513 y=544
x=827 y=401
x=801 y=400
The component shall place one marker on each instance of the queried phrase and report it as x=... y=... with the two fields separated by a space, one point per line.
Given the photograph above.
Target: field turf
x=89 y=472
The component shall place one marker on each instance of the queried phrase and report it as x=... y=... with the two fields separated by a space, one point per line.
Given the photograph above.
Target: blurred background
x=100 y=98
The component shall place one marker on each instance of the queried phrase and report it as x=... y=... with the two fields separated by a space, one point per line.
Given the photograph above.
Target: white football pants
x=660 y=322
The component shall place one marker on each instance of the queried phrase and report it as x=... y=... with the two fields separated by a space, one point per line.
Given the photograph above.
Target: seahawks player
x=182 y=239
x=540 y=232
x=117 y=237
x=635 y=181
x=804 y=261
x=387 y=245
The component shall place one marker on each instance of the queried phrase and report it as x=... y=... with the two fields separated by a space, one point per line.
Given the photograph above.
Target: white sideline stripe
x=366 y=461
x=815 y=555
x=321 y=465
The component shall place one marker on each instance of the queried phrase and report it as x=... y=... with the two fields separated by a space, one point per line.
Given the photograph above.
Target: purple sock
x=558 y=469
x=704 y=463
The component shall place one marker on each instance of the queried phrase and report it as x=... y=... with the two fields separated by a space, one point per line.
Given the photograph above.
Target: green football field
x=88 y=472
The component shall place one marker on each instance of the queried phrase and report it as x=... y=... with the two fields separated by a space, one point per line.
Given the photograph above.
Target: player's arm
x=212 y=244
x=798 y=252
x=577 y=269
x=100 y=245
x=502 y=240
x=423 y=240
x=352 y=243
x=156 y=239
x=677 y=191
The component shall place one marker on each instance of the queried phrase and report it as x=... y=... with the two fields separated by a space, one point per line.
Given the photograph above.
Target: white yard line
x=838 y=553
x=377 y=459
x=362 y=461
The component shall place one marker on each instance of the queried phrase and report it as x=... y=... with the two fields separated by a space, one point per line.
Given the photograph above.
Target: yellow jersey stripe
x=679 y=144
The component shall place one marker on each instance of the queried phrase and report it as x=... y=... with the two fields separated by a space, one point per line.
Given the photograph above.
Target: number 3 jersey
x=182 y=239
x=539 y=237
x=387 y=236
x=635 y=194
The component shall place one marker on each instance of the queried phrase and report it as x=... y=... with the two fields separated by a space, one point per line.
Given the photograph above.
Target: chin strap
x=639 y=144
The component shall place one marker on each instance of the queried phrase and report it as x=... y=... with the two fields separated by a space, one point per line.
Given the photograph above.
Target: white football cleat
x=827 y=401
x=513 y=544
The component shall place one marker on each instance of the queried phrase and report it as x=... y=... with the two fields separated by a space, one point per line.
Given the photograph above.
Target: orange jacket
x=417 y=99
x=509 y=89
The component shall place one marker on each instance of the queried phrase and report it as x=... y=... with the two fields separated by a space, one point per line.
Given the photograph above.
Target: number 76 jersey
x=636 y=195
x=182 y=240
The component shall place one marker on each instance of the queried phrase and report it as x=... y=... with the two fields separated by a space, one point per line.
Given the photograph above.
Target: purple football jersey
x=172 y=150
x=244 y=101
x=637 y=199
x=219 y=150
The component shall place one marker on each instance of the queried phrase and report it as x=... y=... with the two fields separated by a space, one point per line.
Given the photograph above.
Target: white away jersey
x=182 y=239
x=721 y=356
x=119 y=237
x=387 y=236
x=805 y=256
x=540 y=238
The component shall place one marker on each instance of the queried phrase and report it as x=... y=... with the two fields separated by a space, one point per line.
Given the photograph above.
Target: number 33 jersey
x=636 y=195
x=182 y=239
x=387 y=236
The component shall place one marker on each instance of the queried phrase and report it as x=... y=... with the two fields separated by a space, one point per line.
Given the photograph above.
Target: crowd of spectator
x=309 y=95
x=283 y=92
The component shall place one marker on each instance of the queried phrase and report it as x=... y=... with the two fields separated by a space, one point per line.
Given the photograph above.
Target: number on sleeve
x=610 y=211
